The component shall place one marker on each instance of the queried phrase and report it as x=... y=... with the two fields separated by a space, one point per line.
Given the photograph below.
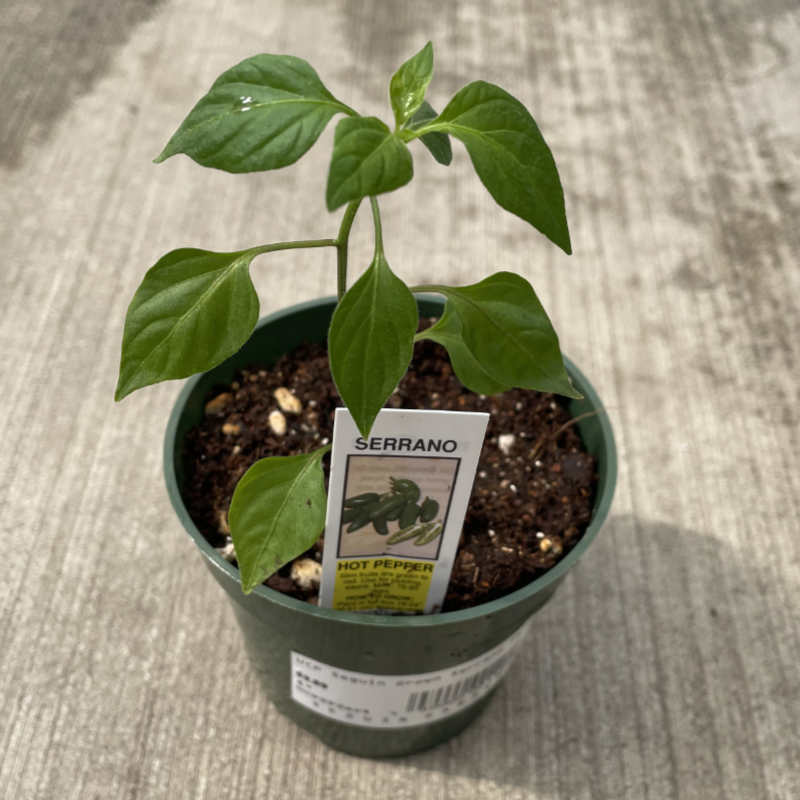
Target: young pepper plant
x=195 y=307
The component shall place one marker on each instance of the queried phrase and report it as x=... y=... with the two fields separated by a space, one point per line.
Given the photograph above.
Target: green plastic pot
x=274 y=624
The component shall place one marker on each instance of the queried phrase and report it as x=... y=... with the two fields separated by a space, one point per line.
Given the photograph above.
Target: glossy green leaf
x=448 y=333
x=264 y=113
x=437 y=143
x=509 y=155
x=277 y=513
x=193 y=309
x=370 y=341
x=409 y=84
x=368 y=159
x=503 y=333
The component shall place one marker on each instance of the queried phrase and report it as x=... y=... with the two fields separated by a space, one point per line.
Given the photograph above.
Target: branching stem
x=340 y=243
x=376 y=218
x=341 y=247
x=271 y=248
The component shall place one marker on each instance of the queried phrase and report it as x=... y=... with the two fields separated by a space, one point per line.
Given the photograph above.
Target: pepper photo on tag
x=395 y=505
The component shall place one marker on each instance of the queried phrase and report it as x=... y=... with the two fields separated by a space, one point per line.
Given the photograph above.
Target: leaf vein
x=224 y=274
x=286 y=495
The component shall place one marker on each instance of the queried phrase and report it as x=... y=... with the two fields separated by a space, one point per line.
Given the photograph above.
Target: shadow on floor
x=653 y=688
x=54 y=53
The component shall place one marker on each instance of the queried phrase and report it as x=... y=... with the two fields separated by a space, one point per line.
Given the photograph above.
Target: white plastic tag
x=396 y=506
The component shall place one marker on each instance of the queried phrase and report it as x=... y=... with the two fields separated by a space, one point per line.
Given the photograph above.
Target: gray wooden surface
x=667 y=666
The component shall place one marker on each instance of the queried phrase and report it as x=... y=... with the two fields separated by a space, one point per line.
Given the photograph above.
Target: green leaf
x=368 y=159
x=501 y=336
x=193 y=309
x=409 y=83
x=509 y=155
x=277 y=512
x=437 y=143
x=448 y=333
x=264 y=113
x=371 y=340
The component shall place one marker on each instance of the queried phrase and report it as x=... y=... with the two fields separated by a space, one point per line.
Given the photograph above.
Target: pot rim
x=600 y=512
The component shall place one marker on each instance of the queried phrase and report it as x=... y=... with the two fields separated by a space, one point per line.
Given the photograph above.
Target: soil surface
x=533 y=492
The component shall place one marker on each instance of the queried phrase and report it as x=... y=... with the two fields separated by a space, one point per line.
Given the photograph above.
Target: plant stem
x=376 y=218
x=271 y=248
x=341 y=247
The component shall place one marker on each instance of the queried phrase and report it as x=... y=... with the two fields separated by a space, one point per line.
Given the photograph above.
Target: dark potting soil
x=533 y=492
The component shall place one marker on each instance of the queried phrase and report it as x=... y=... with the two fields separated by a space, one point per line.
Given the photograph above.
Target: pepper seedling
x=195 y=307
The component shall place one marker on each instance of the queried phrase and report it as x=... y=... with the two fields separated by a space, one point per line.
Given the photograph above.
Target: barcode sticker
x=395 y=701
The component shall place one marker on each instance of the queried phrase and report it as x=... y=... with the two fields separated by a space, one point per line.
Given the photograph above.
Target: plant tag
x=399 y=701
x=396 y=505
